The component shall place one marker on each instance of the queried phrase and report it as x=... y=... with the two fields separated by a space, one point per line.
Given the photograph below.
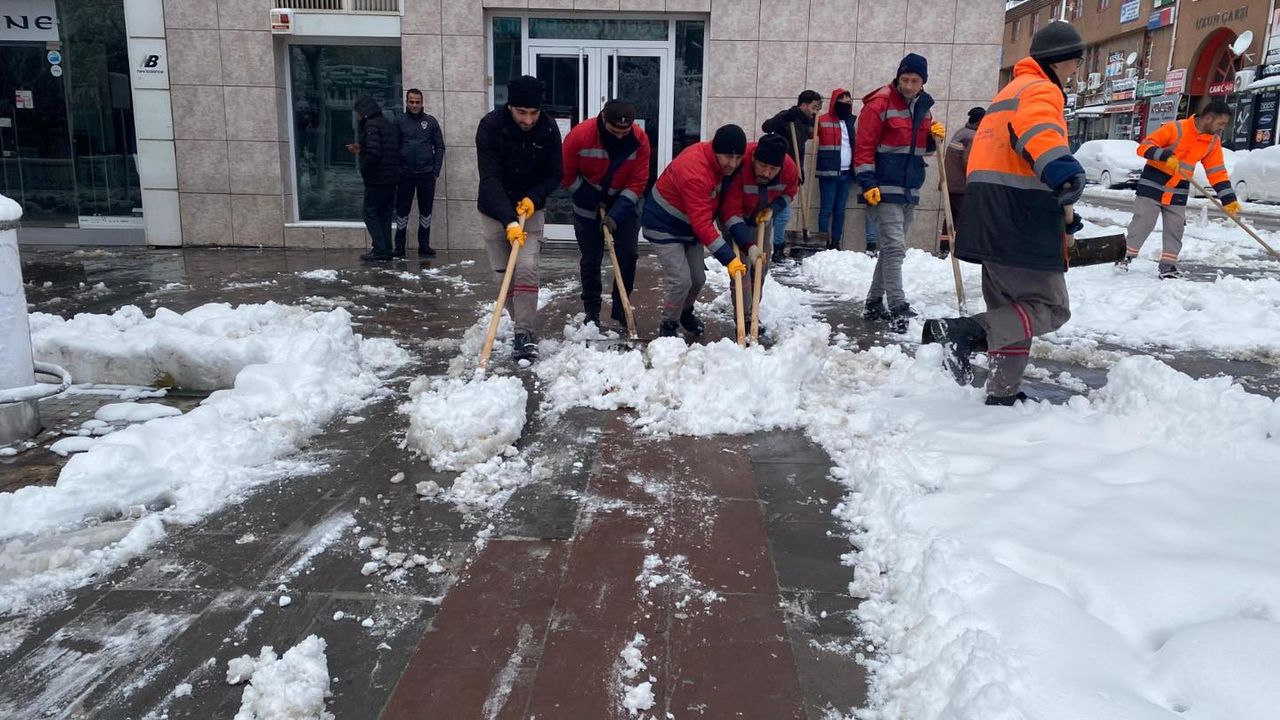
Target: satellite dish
x=1133 y=58
x=1242 y=43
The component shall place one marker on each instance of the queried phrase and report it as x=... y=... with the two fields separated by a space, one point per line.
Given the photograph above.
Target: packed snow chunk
x=291 y=687
x=132 y=412
x=322 y=275
x=183 y=690
x=69 y=445
x=458 y=424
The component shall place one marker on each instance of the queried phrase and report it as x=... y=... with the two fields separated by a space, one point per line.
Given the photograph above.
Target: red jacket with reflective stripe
x=742 y=199
x=586 y=160
x=1181 y=138
x=891 y=145
x=682 y=205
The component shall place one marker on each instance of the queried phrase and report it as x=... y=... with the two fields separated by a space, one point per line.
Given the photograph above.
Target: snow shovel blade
x=803 y=243
x=1097 y=250
x=621 y=342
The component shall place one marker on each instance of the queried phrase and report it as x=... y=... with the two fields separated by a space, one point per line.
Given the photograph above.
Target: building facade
x=225 y=123
x=1151 y=61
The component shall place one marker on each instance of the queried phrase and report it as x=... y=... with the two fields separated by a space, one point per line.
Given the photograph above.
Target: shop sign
x=1162 y=110
x=1157 y=4
x=1264 y=121
x=1129 y=11
x=29 y=20
x=1243 y=120
x=1124 y=84
x=23 y=100
x=1226 y=87
x=1119 y=109
x=1159 y=19
x=1175 y=81
x=1266 y=71
x=1115 y=64
x=1123 y=95
x=150 y=66
x=1152 y=88
x=1226 y=17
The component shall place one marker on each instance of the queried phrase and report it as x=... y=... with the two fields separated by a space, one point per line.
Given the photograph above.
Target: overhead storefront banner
x=1130 y=11
x=1175 y=81
x=28 y=20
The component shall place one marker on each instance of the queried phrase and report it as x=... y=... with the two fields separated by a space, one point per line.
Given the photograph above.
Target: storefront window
x=507 y=55
x=326 y=81
x=687 y=116
x=588 y=29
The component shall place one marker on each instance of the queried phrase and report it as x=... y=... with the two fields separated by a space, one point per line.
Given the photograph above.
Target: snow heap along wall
x=287 y=373
x=22 y=419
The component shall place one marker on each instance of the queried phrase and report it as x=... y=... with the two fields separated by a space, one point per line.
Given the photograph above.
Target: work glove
x=872 y=196
x=753 y=255
x=1232 y=208
x=525 y=207
x=1069 y=192
x=515 y=234
x=764 y=216
x=1173 y=164
x=939 y=130
x=1075 y=226
x=609 y=224
x=736 y=268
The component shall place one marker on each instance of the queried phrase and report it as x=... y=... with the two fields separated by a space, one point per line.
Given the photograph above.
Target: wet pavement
x=522 y=613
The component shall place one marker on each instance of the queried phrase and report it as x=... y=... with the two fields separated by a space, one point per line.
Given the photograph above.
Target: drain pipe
x=19 y=391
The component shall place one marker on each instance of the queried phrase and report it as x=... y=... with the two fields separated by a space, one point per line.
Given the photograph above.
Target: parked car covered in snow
x=1229 y=159
x=1111 y=163
x=1257 y=175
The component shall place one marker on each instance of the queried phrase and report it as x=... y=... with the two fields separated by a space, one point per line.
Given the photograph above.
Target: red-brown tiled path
x=534 y=627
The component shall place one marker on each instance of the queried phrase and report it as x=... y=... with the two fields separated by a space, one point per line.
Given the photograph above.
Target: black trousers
x=424 y=186
x=379 y=211
x=591 y=244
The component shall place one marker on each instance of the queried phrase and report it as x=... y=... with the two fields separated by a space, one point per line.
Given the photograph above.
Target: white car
x=1257 y=175
x=1111 y=163
x=1229 y=160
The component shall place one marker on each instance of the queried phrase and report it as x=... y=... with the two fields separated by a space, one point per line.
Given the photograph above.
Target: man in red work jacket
x=606 y=169
x=766 y=186
x=1172 y=153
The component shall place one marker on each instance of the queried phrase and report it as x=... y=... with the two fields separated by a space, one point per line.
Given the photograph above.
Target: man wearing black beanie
x=518 y=155
x=1021 y=174
x=679 y=220
x=956 y=160
x=766 y=186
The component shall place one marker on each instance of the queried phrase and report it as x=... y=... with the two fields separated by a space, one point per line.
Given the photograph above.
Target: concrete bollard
x=18 y=420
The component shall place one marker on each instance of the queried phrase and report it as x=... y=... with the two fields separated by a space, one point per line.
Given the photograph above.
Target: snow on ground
x=133 y=412
x=287 y=372
x=320 y=275
x=1195 y=203
x=292 y=686
x=459 y=423
x=1113 y=557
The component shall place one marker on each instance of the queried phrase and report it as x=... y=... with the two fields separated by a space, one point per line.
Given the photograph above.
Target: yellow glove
x=1232 y=208
x=872 y=196
x=939 y=130
x=736 y=268
x=515 y=234
x=763 y=216
x=525 y=207
x=1173 y=163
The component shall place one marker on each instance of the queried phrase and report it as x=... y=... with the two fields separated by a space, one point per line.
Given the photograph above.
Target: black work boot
x=592 y=317
x=424 y=248
x=1006 y=400
x=525 y=347
x=900 y=317
x=398 y=250
x=874 y=311
x=960 y=337
x=668 y=328
x=690 y=322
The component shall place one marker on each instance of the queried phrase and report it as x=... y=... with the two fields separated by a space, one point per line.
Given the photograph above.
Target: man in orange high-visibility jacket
x=1172 y=153
x=1020 y=174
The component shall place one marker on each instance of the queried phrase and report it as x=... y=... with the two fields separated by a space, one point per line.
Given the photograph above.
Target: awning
x=1090 y=111
x=1264 y=84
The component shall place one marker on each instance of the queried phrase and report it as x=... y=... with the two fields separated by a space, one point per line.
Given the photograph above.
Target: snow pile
x=289 y=687
x=458 y=424
x=301 y=370
x=9 y=210
x=132 y=412
x=320 y=275
x=639 y=696
x=202 y=349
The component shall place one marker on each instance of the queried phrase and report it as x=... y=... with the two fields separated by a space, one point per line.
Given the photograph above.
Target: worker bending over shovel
x=765 y=188
x=1021 y=176
x=679 y=220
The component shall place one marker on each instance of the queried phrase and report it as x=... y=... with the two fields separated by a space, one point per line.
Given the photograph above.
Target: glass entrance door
x=35 y=142
x=580 y=79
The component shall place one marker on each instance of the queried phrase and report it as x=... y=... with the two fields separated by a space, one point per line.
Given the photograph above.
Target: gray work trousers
x=1021 y=304
x=683 y=276
x=1145 y=214
x=894 y=222
x=522 y=296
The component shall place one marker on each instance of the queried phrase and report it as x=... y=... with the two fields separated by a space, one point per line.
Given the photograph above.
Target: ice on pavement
x=287 y=373
x=292 y=686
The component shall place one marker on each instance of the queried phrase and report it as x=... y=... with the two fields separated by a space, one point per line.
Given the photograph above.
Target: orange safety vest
x=1181 y=138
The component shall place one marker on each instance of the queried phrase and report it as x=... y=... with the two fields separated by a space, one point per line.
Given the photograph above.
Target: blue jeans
x=872 y=231
x=780 y=221
x=834 y=196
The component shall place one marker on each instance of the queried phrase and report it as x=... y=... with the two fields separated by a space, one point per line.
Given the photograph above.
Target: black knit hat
x=729 y=140
x=525 y=92
x=914 y=63
x=771 y=150
x=619 y=113
x=1056 y=42
x=976 y=114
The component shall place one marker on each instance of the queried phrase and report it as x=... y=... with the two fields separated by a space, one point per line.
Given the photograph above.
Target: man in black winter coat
x=378 y=154
x=421 y=159
x=518 y=154
x=798 y=119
